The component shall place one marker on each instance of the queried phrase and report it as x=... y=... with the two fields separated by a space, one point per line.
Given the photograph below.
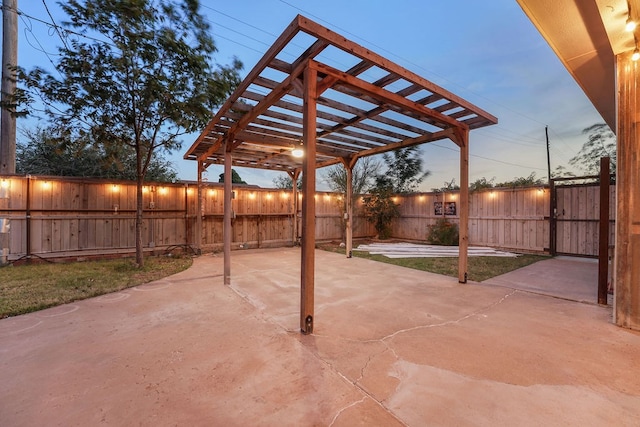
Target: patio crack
x=448 y=322
x=335 y=417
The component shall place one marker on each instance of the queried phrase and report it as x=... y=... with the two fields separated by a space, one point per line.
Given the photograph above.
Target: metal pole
x=546 y=133
x=553 y=205
x=603 y=243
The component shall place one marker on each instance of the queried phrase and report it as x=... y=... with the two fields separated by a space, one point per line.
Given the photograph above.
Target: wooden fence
x=514 y=219
x=65 y=217
x=73 y=218
x=578 y=218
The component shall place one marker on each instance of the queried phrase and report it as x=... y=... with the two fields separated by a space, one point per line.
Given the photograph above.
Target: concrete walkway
x=571 y=278
x=392 y=346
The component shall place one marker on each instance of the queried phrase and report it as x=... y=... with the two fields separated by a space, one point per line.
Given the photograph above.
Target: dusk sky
x=487 y=52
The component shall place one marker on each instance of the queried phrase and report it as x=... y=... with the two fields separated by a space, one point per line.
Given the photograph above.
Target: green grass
x=28 y=288
x=478 y=268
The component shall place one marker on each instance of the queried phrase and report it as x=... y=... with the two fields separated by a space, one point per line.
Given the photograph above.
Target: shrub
x=443 y=232
x=380 y=210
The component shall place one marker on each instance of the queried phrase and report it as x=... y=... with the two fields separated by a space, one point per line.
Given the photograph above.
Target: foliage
x=443 y=232
x=379 y=207
x=31 y=287
x=481 y=184
x=523 y=181
x=561 y=172
x=235 y=177
x=363 y=176
x=404 y=169
x=448 y=186
x=285 y=182
x=46 y=153
x=141 y=78
x=601 y=142
x=403 y=175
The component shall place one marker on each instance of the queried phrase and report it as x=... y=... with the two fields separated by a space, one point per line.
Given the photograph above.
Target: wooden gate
x=575 y=216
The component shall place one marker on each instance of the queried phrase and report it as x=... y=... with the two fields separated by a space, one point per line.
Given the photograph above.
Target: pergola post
x=308 y=201
x=199 y=210
x=348 y=165
x=463 y=228
x=228 y=212
x=294 y=203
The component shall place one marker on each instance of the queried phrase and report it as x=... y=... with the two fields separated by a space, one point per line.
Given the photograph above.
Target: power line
x=487 y=158
x=65 y=30
x=240 y=21
x=64 y=42
x=29 y=29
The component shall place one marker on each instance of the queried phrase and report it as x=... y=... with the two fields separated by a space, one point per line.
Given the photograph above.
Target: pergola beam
x=369 y=89
x=280 y=43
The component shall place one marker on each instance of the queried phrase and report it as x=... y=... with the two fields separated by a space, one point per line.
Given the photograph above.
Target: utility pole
x=546 y=133
x=9 y=62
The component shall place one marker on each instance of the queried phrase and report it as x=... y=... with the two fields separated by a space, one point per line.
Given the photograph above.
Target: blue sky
x=487 y=52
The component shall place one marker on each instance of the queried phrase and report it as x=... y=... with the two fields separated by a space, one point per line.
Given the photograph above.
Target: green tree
x=404 y=169
x=235 y=177
x=284 y=182
x=45 y=152
x=601 y=142
x=363 y=176
x=139 y=74
x=379 y=206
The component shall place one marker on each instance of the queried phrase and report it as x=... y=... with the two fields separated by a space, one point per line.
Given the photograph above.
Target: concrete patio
x=391 y=346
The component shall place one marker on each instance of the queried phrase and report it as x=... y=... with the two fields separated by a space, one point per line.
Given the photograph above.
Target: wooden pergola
x=337 y=101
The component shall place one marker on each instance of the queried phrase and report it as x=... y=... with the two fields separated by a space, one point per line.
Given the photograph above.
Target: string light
x=297 y=152
x=630 y=25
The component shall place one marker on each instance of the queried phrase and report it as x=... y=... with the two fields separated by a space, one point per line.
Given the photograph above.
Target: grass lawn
x=28 y=288
x=479 y=268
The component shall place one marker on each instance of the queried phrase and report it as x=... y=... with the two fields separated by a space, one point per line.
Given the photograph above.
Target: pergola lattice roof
x=366 y=105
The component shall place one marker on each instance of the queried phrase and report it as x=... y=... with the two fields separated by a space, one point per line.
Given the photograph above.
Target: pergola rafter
x=338 y=115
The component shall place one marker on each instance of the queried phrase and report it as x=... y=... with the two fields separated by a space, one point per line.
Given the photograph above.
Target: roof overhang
x=586 y=35
x=366 y=105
